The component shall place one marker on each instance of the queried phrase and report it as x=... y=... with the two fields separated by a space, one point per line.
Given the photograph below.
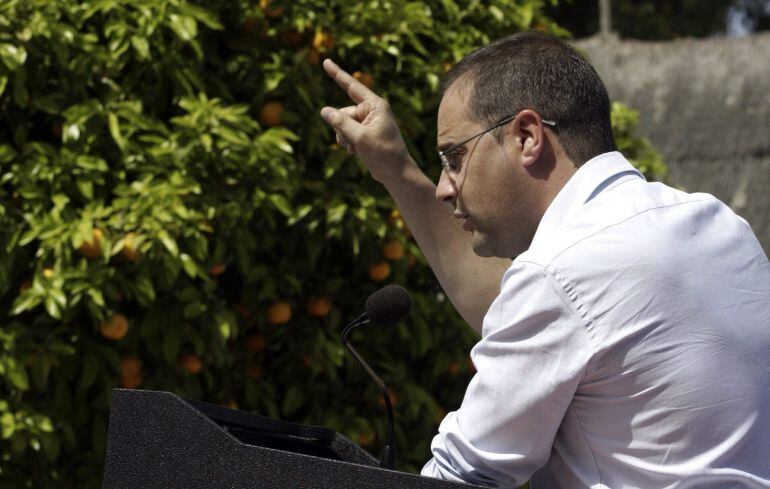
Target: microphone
x=386 y=307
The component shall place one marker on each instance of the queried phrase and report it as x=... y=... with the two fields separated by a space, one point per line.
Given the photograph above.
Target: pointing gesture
x=367 y=129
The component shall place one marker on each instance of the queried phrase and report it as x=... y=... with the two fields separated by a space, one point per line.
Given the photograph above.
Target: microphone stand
x=388 y=460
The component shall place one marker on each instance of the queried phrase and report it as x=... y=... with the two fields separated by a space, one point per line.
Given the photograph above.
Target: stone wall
x=705 y=105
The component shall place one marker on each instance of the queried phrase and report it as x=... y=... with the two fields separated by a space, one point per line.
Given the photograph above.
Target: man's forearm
x=471 y=282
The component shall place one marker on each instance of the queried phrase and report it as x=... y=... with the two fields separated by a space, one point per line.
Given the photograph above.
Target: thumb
x=341 y=123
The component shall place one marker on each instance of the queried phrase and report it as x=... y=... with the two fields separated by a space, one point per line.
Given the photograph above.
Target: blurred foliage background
x=664 y=19
x=174 y=216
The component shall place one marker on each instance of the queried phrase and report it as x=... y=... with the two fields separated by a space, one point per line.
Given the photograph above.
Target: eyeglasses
x=451 y=159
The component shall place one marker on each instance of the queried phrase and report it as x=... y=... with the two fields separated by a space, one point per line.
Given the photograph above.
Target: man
x=628 y=342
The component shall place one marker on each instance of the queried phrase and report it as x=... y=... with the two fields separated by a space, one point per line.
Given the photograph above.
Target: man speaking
x=627 y=343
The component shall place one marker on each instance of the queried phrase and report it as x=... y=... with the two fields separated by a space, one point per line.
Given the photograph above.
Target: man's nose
x=446 y=190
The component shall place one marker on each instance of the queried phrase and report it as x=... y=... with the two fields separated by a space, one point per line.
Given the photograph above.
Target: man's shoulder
x=638 y=218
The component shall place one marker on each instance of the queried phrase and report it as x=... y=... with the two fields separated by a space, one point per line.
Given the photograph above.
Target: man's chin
x=482 y=246
x=485 y=247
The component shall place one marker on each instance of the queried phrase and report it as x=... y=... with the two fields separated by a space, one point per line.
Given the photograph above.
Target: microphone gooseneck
x=385 y=307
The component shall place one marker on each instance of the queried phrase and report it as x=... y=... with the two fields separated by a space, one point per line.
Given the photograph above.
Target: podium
x=159 y=440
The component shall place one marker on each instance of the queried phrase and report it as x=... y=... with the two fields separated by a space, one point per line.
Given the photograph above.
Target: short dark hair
x=533 y=70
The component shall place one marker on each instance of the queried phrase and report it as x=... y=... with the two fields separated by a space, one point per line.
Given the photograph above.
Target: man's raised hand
x=367 y=129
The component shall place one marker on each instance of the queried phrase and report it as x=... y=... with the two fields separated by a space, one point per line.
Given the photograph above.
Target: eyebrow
x=445 y=145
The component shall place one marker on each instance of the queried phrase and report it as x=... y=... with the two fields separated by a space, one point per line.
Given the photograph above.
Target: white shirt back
x=629 y=347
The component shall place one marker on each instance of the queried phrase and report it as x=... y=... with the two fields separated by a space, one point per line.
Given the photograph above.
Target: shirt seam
x=569 y=296
x=588 y=444
x=623 y=222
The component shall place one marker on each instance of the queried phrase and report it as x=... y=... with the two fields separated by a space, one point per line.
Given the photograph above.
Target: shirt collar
x=592 y=178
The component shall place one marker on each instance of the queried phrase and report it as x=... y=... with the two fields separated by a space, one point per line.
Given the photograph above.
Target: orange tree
x=174 y=216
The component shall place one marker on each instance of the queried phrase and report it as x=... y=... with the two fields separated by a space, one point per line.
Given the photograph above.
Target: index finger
x=356 y=90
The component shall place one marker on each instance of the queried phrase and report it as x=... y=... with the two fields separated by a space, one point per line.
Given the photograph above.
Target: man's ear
x=529 y=136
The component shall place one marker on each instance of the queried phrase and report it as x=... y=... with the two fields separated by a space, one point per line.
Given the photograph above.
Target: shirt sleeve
x=529 y=362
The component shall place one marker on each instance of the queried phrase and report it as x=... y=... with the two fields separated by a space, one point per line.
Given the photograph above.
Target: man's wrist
x=399 y=170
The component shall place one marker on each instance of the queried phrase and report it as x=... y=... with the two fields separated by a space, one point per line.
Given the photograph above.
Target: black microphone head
x=388 y=305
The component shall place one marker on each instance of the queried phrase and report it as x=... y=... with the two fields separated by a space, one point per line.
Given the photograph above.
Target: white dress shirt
x=629 y=348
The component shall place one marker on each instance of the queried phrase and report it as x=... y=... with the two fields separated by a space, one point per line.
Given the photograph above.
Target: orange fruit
x=191 y=362
x=323 y=41
x=129 y=251
x=292 y=37
x=396 y=220
x=254 y=371
x=393 y=398
x=256 y=342
x=279 y=312
x=217 y=269
x=130 y=365
x=366 y=438
x=379 y=271
x=395 y=217
x=311 y=359
x=440 y=415
x=269 y=11
x=271 y=113
x=410 y=260
x=48 y=273
x=93 y=247
x=115 y=328
x=242 y=310
x=313 y=56
x=319 y=307
x=469 y=364
x=453 y=368
x=366 y=79
x=131 y=381
x=393 y=250
x=249 y=25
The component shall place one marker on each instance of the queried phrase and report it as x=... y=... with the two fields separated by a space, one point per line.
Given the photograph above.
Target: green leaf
x=292 y=400
x=96 y=296
x=334 y=162
x=188 y=265
x=114 y=126
x=25 y=302
x=141 y=46
x=20 y=97
x=144 y=290
x=193 y=310
x=226 y=324
x=52 y=307
x=281 y=203
x=8 y=425
x=168 y=242
x=86 y=188
x=336 y=212
x=183 y=26
x=89 y=162
x=172 y=344
x=17 y=374
x=44 y=424
x=89 y=371
x=13 y=57
x=496 y=13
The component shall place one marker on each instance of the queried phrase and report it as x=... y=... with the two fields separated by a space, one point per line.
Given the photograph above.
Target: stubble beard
x=511 y=245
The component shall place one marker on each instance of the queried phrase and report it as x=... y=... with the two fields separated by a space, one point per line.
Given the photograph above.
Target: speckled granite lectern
x=159 y=440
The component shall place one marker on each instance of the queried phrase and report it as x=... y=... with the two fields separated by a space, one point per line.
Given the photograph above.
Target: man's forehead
x=453 y=111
